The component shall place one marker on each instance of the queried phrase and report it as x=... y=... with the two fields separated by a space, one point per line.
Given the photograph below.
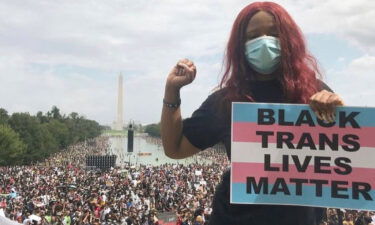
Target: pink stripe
x=246 y=132
x=242 y=170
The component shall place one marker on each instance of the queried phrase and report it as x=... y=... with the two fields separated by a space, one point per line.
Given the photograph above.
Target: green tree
x=4 y=117
x=42 y=135
x=11 y=146
x=153 y=130
x=59 y=132
x=81 y=128
x=41 y=118
x=39 y=142
x=55 y=113
x=47 y=142
x=73 y=115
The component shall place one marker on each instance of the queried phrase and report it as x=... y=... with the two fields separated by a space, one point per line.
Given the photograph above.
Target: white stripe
x=253 y=152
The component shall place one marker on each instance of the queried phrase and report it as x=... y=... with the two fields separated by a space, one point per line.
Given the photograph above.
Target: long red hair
x=298 y=69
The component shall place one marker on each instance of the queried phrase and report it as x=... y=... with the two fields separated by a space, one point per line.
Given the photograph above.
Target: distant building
x=119 y=123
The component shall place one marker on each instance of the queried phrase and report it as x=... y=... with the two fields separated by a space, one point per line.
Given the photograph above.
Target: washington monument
x=119 y=121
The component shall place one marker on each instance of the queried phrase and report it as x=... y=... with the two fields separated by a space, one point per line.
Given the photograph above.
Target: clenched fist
x=182 y=74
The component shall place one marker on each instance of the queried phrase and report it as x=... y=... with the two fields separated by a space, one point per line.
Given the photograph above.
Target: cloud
x=26 y=90
x=355 y=82
x=69 y=53
x=351 y=20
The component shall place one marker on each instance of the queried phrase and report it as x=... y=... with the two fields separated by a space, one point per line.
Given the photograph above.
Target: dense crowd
x=61 y=190
x=349 y=217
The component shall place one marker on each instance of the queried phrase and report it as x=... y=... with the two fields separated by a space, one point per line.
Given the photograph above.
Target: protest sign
x=282 y=154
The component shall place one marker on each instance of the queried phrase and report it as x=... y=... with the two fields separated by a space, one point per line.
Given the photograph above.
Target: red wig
x=298 y=69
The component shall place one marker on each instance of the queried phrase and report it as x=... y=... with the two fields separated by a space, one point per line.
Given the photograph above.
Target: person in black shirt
x=266 y=61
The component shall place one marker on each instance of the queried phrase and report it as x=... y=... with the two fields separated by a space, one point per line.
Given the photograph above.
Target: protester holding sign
x=266 y=61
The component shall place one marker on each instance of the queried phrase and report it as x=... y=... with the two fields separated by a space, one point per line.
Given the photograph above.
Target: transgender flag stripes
x=281 y=154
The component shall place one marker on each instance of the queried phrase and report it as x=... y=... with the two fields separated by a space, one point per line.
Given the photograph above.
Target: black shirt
x=208 y=126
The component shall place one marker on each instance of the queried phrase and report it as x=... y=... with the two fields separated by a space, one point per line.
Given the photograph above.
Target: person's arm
x=176 y=146
x=85 y=217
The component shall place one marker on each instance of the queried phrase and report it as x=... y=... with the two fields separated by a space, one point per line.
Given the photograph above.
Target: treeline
x=25 y=138
x=153 y=130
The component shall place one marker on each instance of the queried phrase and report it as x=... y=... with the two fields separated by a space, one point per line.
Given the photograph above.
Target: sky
x=69 y=53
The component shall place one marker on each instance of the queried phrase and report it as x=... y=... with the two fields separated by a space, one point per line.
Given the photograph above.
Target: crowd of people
x=61 y=190
x=349 y=217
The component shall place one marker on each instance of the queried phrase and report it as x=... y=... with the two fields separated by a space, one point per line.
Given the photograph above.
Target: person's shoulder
x=215 y=100
x=217 y=94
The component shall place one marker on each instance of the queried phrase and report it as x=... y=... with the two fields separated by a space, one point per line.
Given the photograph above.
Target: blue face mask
x=263 y=54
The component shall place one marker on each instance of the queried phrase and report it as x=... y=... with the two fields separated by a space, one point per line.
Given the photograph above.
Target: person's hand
x=324 y=105
x=182 y=74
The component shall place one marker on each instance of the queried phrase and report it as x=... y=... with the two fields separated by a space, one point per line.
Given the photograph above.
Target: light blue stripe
x=247 y=112
x=239 y=195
